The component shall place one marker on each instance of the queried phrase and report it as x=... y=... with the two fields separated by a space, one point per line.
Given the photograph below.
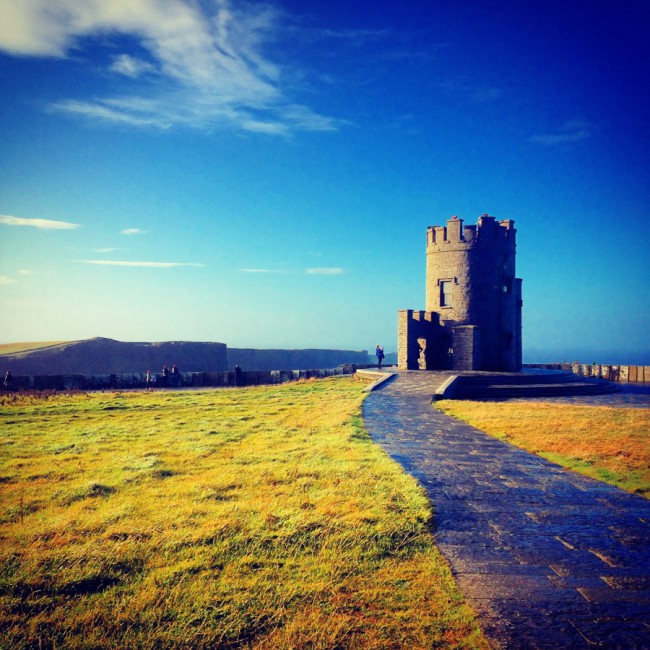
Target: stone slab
x=548 y=558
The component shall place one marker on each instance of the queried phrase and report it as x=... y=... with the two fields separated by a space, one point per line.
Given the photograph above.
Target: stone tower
x=472 y=319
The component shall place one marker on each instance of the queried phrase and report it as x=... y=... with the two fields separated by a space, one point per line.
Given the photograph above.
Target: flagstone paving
x=548 y=558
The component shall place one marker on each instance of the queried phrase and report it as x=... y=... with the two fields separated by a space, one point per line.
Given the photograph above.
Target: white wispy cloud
x=25 y=273
x=204 y=64
x=43 y=224
x=131 y=66
x=334 y=270
x=570 y=132
x=132 y=231
x=278 y=271
x=30 y=274
x=101 y=109
x=152 y=265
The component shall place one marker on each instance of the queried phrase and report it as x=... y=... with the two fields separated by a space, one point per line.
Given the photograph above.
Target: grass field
x=609 y=444
x=15 y=348
x=256 y=518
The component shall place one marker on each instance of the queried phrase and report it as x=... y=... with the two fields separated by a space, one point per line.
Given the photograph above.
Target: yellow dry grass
x=15 y=348
x=606 y=443
x=253 y=518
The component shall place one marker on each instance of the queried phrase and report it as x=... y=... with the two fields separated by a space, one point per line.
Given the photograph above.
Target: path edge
x=383 y=377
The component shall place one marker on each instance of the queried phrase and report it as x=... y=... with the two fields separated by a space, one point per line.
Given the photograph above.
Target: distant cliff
x=101 y=356
x=253 y=359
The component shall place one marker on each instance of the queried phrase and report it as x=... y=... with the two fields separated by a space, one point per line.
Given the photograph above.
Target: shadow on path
x=549 y=558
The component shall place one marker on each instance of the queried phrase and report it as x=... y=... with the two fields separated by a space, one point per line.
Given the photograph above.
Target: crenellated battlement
x=455 y=234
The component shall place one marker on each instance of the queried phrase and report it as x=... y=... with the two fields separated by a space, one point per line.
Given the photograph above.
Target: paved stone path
x=548 y=558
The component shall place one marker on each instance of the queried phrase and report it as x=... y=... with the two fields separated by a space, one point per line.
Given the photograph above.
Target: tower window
x=445 y=293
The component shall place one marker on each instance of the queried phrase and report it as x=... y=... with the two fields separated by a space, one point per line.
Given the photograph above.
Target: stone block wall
x=226 y=378
x=466 y=347
x=617 y=373
x=419 y=340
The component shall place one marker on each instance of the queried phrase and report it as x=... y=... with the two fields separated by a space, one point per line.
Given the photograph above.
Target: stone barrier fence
x=638 y=374
x=223 y=378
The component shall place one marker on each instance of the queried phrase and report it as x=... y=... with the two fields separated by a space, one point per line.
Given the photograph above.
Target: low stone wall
x=223 y=378
x=639 y=374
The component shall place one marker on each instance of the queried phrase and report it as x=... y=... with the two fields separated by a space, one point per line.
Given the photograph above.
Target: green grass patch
x=605 y=443
x=259 y=518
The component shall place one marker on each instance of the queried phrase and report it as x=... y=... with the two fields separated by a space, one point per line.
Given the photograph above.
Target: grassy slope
x=15 y=348
x=609 y=444
x=261 y=518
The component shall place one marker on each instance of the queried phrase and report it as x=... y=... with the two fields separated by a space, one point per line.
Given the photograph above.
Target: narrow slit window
x=445 y=293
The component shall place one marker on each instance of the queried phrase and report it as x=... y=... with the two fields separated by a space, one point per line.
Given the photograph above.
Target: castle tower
x=473 y=301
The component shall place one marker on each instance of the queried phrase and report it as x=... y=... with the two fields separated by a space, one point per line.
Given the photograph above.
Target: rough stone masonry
x=472 y=319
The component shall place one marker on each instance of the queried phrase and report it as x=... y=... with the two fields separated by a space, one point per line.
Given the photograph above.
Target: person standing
x=175 y=376
x=148 y=380
x=8 y=382
x=379 y=351
x=165 y=376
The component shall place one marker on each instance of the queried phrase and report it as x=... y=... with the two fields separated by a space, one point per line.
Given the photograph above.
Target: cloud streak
x=132 y=231
x=131 y=66
x=570 y=132
x=199 y=64
x=150 y=265
x=42 y=224
x=335 y=270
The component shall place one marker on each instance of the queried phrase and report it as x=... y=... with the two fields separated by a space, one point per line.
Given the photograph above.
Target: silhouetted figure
x=165 y=376
x=379 y=351
x=149 y=380
x=8 y=381
x=176 y=376
x=238 y=377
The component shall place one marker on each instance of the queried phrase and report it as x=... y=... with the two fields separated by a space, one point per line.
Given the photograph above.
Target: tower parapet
x=455 y=233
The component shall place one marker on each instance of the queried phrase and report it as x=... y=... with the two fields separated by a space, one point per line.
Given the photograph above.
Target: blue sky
x=263 y=174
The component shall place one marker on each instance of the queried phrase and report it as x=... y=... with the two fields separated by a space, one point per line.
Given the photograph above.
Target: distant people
x=165 y=376
x=8 y=381
x=176 y=376
x=149 y=380
x=237 y=375
x=379 y=351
